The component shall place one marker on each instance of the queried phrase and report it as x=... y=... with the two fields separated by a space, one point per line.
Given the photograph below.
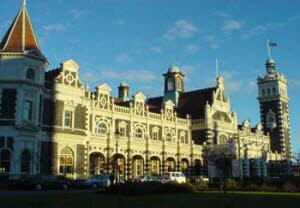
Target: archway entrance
x=155 y=165
x=119 y=166
x=137 y=166
x=96 y=163
x=184 y=166
x=171 y=164
x=197 y=167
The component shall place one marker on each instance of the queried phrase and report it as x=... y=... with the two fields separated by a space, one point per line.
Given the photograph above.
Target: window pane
x=68 y=118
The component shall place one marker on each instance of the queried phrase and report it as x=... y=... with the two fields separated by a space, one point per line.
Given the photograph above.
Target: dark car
x=95 y=181
x=43 y=182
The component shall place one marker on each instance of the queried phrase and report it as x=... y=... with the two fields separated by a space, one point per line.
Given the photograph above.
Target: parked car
x=195 y=179
x=42 y=182
x=179 y=177
x=95 y=181
x=146 y=178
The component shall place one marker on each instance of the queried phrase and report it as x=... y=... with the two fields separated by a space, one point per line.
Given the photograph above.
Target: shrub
x=202 y=185
x=151 y=188
x=289 y=187
x=251 y=187
x=230 y=184
x=268 y=188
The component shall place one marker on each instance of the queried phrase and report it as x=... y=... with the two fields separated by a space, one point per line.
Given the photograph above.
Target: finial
x=217 y=68
x=24 y=2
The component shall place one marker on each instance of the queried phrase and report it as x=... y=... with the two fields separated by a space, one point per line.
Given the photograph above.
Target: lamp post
x=117 y=137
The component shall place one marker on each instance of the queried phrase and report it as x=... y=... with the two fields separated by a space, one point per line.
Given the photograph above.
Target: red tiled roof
x=20 y=35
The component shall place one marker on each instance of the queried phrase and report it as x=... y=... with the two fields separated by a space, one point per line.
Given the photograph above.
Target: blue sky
x=138 y=40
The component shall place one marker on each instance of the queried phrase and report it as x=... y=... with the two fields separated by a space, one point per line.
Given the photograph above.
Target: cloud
x=120 y=22
x=192 y=48
x=181 y=29
x=231 y=25
x=156 y=49
x=54 y=27
x=123 y=57
x=214 y=46
x=129 y=75
x=261 y=29
x=78 y=13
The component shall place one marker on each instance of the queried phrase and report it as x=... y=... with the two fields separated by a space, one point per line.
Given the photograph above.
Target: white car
x=179 y=177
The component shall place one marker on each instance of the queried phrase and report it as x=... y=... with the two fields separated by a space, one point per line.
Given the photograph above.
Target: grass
x=199 y=200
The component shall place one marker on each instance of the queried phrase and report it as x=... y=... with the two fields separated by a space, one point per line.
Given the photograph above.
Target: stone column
x=129 y=160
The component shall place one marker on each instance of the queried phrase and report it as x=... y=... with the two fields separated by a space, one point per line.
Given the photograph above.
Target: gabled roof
x=20 y=35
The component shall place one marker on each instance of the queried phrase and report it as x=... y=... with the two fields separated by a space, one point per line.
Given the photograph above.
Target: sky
x=137 y=41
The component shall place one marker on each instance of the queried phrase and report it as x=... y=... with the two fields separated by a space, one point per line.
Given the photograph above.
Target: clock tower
x=274 y=114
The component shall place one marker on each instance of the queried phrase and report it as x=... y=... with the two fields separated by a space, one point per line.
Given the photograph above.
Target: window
x=263 y=92
x=169 y=137
x=269 y=91
x=66 y=161
x=274 y=90
x=27 y=113
x=122 y=131
x=4 y=161
x=155 y=135
x=101 y=128
x=178 y=84
x=25 y=161
x=30 y=74
x=170 y=84
x=139 y=133
x=68 y=118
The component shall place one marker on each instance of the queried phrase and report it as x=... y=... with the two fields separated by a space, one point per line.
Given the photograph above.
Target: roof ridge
x=198 y=90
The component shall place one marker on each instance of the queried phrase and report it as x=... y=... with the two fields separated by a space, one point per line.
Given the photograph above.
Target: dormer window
x=30 y=74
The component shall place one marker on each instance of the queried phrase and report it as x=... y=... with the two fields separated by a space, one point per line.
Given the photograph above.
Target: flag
x=272 y=44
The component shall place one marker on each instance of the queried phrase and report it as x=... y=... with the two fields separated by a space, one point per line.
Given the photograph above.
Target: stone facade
x=50 y=122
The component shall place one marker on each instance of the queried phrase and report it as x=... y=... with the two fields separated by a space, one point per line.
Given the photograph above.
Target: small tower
x=124 y=91
x=273 y=101
x=174 y=84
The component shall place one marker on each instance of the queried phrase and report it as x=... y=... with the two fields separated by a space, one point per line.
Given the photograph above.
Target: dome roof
x=174 y=69
x=270 y=61
x=123 y=84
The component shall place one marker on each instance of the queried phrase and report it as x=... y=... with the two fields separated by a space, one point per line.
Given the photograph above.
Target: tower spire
x=217 y=68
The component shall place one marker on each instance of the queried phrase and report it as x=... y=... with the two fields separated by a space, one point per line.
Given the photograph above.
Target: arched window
x=101 y=128
x=66 y=161
x=178 y=84
x=169 y=137
x=4 y=161
x=30 y=74
x=25 y=161
x=139 y=133
x=170 y=84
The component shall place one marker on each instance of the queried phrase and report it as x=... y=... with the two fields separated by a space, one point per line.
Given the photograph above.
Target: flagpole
x=269 y=50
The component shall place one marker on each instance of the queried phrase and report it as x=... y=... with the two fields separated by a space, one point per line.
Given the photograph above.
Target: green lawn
x=199 y=200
